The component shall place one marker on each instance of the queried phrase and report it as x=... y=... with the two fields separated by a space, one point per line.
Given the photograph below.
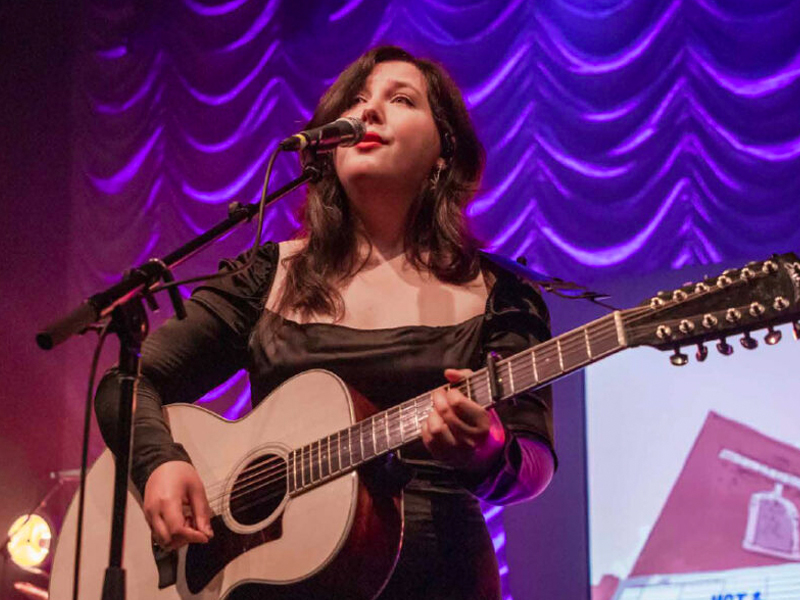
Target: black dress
x=446 y=552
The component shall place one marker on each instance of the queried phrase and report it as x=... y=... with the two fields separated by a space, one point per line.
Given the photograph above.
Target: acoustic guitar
x=298 y=511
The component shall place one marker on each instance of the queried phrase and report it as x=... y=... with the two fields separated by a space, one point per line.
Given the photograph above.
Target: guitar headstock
x=757 y=296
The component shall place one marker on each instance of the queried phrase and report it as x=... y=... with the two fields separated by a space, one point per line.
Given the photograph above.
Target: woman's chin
x=365 y=170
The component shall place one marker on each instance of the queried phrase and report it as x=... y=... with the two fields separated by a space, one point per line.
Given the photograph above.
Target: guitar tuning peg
x=702 y=352
x=679 y=358
x=773 y=336
x=748 y=342
x=724 y=347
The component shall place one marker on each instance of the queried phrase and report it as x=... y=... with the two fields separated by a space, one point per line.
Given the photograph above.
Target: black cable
x=253 y=251
x=87 y=419
x=95 y=360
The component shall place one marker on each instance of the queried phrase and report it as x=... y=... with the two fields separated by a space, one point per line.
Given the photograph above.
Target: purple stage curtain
x=622 y=136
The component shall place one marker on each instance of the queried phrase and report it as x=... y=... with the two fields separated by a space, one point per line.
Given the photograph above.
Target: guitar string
x=258 y=471
x=309 y=461
x=397 y=421
x=265 y=476
x=281 y=476
x=544 y=352
x=561 y=348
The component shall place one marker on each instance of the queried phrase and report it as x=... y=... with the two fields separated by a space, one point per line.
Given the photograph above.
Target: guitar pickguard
x=205 y=561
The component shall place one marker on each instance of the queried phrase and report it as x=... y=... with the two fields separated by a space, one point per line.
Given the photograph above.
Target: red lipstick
x=370 y=140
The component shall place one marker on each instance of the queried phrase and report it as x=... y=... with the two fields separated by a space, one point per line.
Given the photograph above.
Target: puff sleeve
x=517 y=319
x=184 y=359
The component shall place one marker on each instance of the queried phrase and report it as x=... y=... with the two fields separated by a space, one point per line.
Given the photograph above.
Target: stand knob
x=702 y=352
x=679 y=358
x=724 y=347
x=748 y=342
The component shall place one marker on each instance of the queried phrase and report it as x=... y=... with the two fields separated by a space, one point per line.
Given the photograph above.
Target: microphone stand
x=123 y=302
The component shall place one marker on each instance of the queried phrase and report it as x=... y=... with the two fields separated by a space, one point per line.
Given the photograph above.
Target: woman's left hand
x=460 y=432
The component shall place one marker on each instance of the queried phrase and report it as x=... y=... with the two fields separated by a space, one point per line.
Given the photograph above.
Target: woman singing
x=386 y=288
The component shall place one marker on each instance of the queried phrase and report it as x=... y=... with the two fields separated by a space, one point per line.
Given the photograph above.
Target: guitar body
x=340 y=539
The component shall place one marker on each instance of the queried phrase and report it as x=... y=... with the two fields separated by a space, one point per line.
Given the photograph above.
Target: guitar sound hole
x=259 y=489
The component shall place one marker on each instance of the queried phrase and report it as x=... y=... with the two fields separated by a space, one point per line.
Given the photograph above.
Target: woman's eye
x=403 y=99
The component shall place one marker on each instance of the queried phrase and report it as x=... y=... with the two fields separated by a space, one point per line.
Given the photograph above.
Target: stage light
x=29 y=541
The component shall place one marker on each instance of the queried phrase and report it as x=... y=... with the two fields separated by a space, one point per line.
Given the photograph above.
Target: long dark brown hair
x=436 y=235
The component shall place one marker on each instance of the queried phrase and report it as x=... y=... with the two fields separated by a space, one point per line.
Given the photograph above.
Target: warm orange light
x=29 y=542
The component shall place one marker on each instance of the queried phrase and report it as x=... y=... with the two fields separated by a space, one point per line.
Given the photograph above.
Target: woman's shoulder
x=245 y=276
x=289 y=248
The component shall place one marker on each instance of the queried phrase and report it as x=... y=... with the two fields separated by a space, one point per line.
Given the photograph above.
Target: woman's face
x=402 y=143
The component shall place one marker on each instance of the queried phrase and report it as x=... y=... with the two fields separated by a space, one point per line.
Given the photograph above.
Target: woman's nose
x=371 y=114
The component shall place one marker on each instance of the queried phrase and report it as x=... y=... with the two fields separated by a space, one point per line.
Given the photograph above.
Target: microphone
x=347 y=131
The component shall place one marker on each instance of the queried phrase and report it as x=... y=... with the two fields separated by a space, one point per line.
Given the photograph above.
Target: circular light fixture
x=29 y=540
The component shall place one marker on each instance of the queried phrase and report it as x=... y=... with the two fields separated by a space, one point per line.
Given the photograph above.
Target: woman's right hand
x=176 y=507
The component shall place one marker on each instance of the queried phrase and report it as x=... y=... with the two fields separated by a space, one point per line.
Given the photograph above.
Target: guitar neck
x=375 y=436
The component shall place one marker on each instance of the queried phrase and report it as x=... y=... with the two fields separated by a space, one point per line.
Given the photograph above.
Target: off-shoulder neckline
x=378 y=329
x=482 y=315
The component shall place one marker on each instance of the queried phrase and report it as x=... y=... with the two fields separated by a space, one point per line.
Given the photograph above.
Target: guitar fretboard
x=345 y=450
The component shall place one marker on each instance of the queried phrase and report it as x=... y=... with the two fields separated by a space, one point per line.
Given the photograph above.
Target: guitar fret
x=377 y=433
x=319 y=460
x=302 y=480
x=620 y=328
x=511 y=378
x=408 y=420
x=306 y=475
x=601 y=344
x=560 y=355
x=350 y=461
x=315 y=474
x=367 y=439
x=578 y=355
x=469 y=390
x=361 y=441
x=387 y=428
x=330 y=466
x=533 y=363
x=292 y=472
x=588 y=345
x=402 y=424
x=344 y=464
x=547 y=368
x=336 y=461
x=373 y=422
x=324 y=458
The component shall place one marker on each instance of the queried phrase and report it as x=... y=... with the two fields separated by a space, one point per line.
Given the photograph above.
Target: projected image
x=694 y=475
